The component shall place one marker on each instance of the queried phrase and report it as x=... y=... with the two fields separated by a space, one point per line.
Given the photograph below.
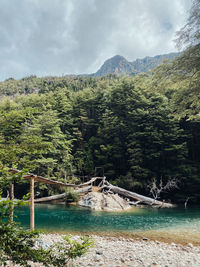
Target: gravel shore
x=121 y=252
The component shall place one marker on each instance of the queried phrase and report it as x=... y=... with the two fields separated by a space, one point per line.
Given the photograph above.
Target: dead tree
x=156 y=188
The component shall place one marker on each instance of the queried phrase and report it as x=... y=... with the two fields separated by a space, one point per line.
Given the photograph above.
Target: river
x=176 y=224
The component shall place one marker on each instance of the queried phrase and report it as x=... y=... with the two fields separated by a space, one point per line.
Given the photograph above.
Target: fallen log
x=135 y=196
x=84 y=190
x=50 y=198
x=91 y=181
x=62 y=196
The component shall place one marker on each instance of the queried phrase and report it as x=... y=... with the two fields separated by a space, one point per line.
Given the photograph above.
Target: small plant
x=72 y=196
x=63 y=253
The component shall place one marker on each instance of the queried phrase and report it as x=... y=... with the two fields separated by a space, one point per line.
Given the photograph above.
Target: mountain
x=120 y=66
x=115 y=65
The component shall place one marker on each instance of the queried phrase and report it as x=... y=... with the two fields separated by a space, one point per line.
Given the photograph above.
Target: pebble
x=190 y=245
x=100 y=252
x=97 y=257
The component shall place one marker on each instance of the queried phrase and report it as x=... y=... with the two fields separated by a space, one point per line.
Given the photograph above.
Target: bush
x=72 y=196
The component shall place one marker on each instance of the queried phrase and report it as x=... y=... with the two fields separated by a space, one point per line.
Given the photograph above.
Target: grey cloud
x=148 y=27
x=55 y=37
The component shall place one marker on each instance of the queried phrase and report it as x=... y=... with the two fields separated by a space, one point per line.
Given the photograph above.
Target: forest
x=137 y=129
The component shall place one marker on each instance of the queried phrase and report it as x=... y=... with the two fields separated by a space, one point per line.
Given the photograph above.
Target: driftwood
x=131 y=195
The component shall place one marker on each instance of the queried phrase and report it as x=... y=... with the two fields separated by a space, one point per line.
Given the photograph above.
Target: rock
x=43 y=244
x=190 y=245
x=145 y=238
x=100 y=201
x=99 y=252
x=97 y=258
x=122 y=260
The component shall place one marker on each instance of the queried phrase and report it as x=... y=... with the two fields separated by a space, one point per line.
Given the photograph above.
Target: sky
x=58 y=37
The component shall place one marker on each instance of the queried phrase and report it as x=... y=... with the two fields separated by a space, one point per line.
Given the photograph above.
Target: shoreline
x=150 y=235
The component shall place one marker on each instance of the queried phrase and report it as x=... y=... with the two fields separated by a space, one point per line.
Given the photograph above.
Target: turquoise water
x=71 y=218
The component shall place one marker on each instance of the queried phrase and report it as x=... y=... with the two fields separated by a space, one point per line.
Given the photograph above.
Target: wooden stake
x=32 y=212
x=11 y=196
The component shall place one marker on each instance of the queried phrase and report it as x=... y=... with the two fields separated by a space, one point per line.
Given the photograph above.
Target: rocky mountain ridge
x=120 y=66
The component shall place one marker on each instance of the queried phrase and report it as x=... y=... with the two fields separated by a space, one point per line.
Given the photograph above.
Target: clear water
x=71 y=218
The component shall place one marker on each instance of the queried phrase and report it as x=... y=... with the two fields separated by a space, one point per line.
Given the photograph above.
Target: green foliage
x=17 y=244
x=72 y=196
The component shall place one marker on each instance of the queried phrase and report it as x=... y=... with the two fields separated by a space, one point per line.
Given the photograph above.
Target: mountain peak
x=116 y=65
x=117 y=57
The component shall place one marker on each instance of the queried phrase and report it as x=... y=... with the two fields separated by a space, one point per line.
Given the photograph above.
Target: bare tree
x=189 y=34
x=157 y=187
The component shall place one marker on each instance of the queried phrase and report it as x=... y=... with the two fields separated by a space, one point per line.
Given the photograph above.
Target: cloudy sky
x=57 y=37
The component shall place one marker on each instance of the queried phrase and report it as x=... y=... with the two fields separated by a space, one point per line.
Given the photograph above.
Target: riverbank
x=112 y=251
x=115 y=251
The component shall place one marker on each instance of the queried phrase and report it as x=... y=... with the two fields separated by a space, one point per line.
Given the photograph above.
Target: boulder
x=105 y=202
